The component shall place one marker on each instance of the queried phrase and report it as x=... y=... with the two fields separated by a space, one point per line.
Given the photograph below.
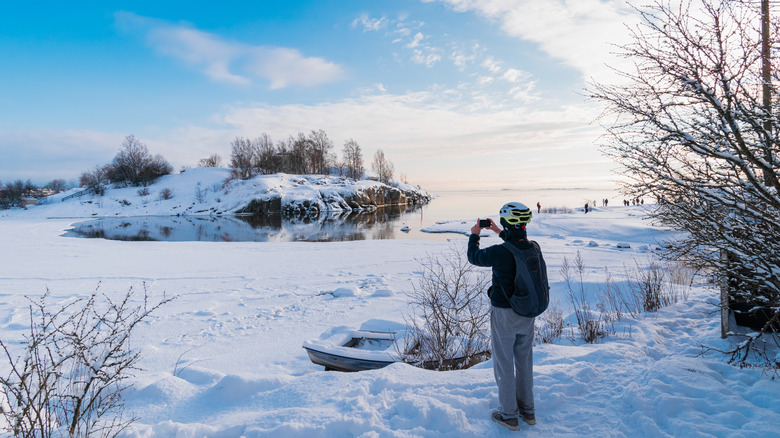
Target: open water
x=385 y=223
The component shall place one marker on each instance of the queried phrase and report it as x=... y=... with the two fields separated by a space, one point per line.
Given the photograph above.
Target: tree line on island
x=135 y=166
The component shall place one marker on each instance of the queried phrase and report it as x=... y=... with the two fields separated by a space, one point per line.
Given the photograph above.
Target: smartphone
x=484 y=223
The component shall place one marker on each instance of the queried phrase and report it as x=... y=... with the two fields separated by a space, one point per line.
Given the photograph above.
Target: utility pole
x=766 y=73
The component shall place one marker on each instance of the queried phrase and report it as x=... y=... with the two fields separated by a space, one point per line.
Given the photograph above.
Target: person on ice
x=512 y=335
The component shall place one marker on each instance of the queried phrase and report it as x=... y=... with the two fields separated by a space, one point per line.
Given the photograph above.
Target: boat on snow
x=377 y=344
x=371 y=347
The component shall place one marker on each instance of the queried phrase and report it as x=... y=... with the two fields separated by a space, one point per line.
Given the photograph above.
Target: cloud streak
x=230 y=61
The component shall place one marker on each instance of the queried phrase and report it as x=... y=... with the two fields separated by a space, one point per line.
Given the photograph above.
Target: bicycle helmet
x=515 y=215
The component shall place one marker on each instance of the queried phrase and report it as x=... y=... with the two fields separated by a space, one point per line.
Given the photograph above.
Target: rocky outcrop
x=348 y=198
x=262 y=206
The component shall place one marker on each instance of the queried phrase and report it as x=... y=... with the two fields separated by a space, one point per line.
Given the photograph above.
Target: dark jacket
x=503 y=263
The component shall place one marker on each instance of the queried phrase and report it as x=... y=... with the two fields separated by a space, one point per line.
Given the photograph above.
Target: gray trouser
x=512 y=339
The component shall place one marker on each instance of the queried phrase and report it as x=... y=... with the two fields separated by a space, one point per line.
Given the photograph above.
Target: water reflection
x=385 y=223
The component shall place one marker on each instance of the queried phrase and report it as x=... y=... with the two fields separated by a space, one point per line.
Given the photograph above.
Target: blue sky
x=459 y=94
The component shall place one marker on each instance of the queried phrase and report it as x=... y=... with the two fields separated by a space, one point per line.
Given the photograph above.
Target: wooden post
x=724 y=299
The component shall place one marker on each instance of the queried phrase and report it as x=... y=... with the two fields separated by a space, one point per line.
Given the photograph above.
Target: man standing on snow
x=511 y=335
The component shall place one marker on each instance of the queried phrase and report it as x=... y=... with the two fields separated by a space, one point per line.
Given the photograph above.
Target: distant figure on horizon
x=538 y=207
x=586 y=208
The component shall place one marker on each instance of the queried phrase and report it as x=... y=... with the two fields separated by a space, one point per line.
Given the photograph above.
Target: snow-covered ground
x=225 y=358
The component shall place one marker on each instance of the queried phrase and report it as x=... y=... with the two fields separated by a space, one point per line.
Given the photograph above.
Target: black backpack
x=532 y=290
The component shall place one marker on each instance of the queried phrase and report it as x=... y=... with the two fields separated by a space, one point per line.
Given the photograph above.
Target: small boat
x=377 y=344
x=371 y=347
x=405 y=228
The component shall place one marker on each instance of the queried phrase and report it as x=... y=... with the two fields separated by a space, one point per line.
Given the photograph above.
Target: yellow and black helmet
x=515 y=214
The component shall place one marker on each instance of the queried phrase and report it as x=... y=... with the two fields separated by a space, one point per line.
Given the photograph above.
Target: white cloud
x=514 y=75
x=370 y=24
x=230 y=61
x=420 y=52
x=491 y=64
x=429 y=59
x=199 y=49
x=525 y=93
x=484 y=80
x=578 y=32
x=462 y=59
x=285 y=67
x=418 y=37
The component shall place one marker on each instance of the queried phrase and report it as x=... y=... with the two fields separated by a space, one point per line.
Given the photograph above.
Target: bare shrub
x=200 y=193
x=144 y=191
x=592 y=325
x=166 y=194
x=73 y=367
x=754 y=349
x=549 y=325
x=449 y=326
x=653 y=287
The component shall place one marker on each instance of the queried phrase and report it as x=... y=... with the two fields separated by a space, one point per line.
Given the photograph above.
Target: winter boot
x=509 y=423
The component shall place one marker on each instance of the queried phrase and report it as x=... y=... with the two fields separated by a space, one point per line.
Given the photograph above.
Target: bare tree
x=94 y=180
x=57 y=185
x=267 y=156
x=383 y=167
x=691 y=130
x=213 y=160
x=13 y=193
x=297 y=155
x=242 y=158
x=320 y=152
x=135 y=165
x=353 y=159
